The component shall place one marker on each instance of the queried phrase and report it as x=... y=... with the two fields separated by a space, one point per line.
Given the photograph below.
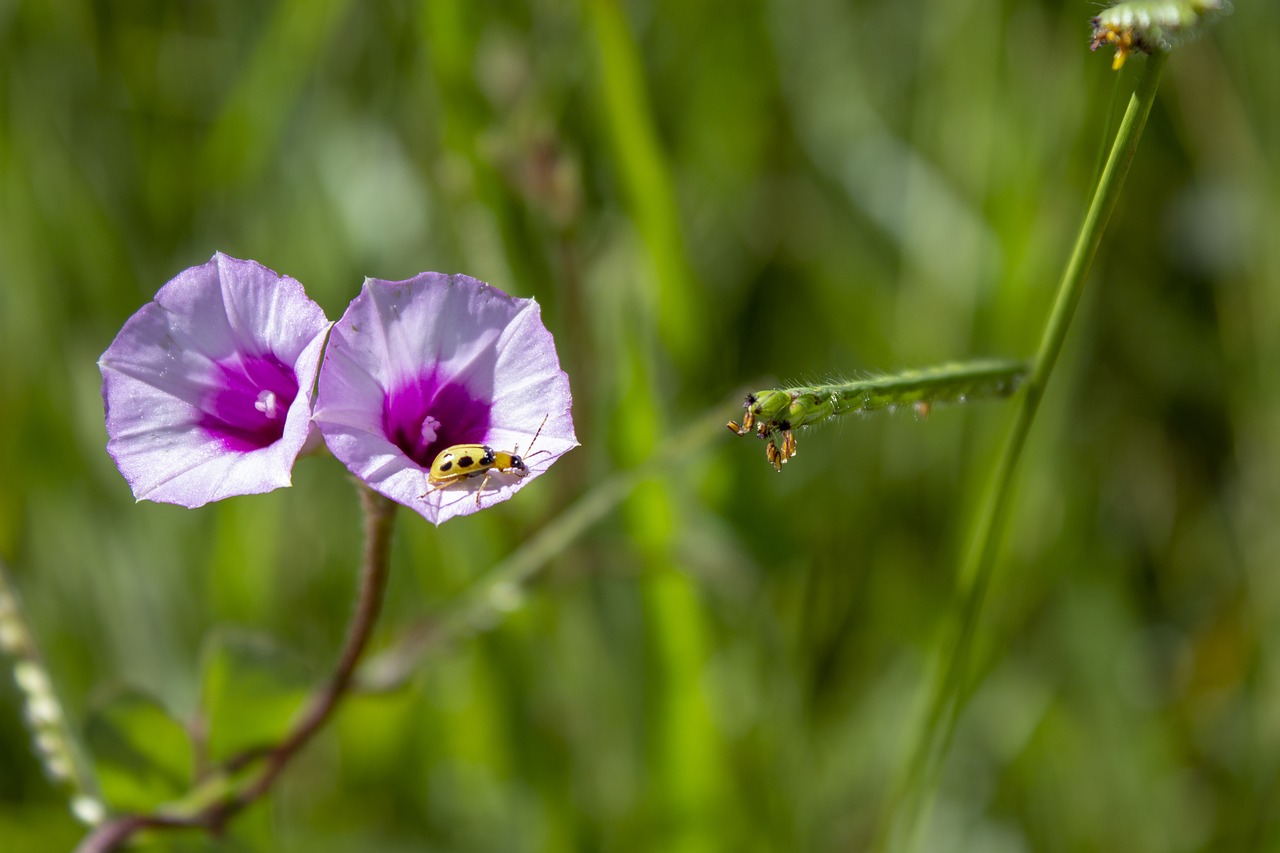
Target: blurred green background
x=705 y=197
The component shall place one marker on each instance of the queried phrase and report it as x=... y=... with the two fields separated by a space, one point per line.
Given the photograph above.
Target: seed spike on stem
x=775 y=414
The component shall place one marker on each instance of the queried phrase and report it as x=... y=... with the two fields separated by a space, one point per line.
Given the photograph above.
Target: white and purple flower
x=418 y=366
x=208 y=388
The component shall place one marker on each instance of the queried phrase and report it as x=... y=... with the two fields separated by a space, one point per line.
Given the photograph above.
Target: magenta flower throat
x=411 y=418
x=247 y=411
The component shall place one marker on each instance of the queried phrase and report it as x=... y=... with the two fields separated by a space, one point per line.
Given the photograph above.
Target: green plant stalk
x=645 y=179
x=686 y=780
x=948 y=383
x=776 y=413
x=948 y=688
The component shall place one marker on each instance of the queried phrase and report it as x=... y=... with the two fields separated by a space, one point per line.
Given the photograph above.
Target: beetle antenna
x=535 y=437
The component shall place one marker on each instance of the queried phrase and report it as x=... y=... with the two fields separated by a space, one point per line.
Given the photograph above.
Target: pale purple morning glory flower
x=415 y=367
x=208 y=388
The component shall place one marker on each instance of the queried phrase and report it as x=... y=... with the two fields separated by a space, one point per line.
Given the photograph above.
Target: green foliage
x=252 y=690
x=141 y=753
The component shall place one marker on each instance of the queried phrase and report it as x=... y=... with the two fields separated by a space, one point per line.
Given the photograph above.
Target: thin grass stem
x=948 y=686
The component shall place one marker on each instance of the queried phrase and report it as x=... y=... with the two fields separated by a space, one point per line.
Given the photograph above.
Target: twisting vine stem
x=950 y=687
x=379 y=514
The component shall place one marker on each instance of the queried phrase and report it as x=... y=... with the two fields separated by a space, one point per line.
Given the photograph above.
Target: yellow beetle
x=461 y=462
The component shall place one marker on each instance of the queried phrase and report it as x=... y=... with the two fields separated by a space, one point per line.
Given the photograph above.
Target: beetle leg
x=483 y=483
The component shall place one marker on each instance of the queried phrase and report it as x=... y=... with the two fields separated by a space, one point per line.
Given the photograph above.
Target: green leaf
x=252 y=690
x=143 y=755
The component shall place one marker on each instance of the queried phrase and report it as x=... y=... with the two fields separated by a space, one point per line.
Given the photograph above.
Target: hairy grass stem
x=774 y=414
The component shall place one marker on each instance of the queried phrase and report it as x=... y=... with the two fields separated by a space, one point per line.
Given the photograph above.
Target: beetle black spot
x=466 y=462
x=446 y=465
x=489 y=457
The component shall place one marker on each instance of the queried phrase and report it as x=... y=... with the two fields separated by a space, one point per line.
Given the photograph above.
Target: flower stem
x=503 y=586
x=949 y=687
x=379 y=514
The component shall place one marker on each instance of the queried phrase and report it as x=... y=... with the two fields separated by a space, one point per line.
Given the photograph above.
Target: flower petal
x=208 y=389
x=417 y=366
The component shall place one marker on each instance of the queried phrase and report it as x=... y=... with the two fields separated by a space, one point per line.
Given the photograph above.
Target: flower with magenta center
x=419 y=366
x=208 y=388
